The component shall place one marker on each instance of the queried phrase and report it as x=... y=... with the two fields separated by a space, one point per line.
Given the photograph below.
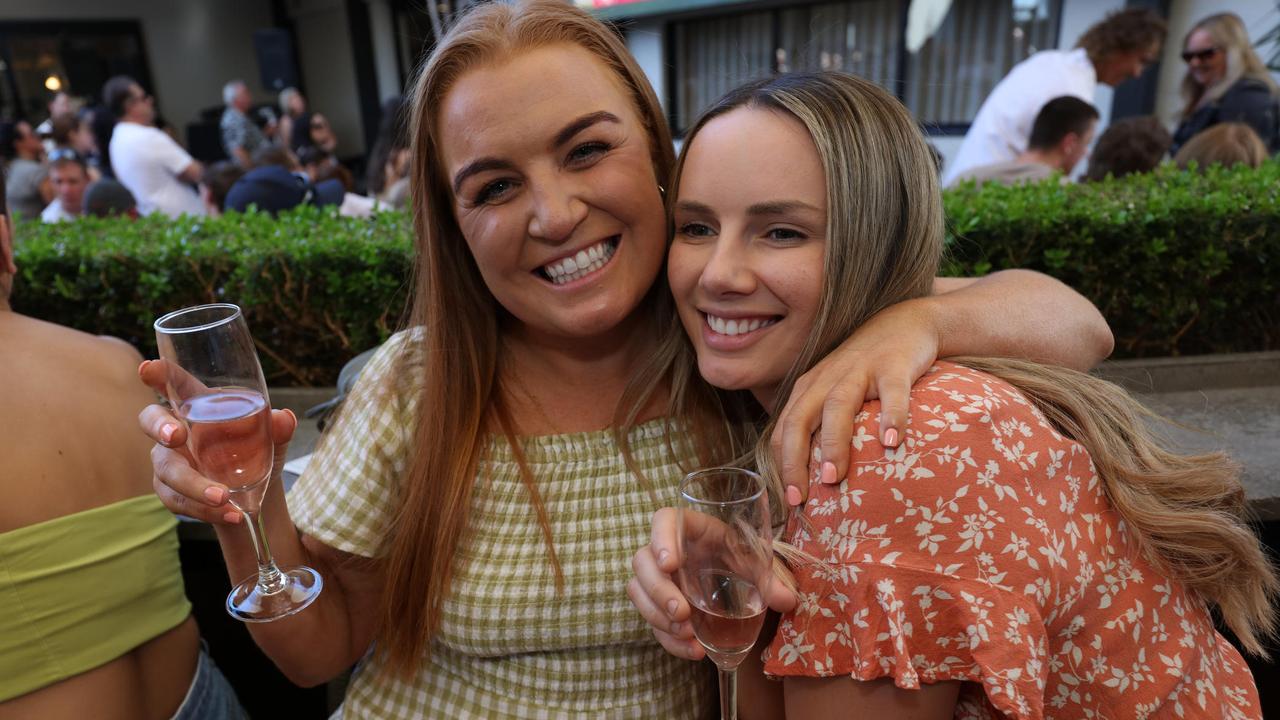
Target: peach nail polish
x=793 y=496
x=891 y=437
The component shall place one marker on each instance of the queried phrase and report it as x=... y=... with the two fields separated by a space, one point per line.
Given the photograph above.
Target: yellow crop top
x=81 y=590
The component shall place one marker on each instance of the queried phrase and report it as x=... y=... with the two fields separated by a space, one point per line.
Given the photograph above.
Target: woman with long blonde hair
x=1029 y=550
x=1226 y=81
x=474 y=507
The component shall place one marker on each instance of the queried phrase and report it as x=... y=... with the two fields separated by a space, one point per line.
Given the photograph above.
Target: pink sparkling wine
x=728 y=612
x=230 y=436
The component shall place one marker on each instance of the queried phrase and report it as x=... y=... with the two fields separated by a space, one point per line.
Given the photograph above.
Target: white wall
x=193 y=46
x=329 y=68
x=1258 y=15
x=645 y=41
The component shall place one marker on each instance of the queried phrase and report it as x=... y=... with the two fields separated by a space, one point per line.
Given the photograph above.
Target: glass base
x=250 y=603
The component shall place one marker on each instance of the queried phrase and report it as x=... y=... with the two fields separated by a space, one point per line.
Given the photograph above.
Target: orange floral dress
x=984 y=550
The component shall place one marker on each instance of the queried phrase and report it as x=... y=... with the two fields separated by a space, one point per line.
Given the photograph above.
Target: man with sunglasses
x=1116 y=49
x=159 y=173
x=69 y=175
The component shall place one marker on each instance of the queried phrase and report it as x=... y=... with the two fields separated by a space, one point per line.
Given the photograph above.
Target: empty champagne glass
x=215 y=385
x=725 y=537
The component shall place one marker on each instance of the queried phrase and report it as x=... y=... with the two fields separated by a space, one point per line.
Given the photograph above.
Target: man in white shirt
x=148 y=162
x=1110 y=52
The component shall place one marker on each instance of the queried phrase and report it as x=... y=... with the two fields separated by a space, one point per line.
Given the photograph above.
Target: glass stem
x=728 y=693
x=270 y=579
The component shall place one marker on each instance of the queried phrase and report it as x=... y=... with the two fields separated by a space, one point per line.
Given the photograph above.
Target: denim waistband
x=210 y=696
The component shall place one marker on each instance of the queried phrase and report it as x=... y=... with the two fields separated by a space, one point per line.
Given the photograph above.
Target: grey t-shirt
x=23 y=178
x=1009 y=173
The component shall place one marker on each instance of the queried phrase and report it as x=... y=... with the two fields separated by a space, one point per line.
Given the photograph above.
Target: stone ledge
x=1195 y=372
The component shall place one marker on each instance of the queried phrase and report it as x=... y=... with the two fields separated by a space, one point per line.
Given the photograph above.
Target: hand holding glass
x=215 y=385
x=725 y=539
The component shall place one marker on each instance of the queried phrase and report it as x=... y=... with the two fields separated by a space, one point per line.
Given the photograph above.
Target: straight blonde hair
x=458 y=360
x=884 y=245
x=1231 y=37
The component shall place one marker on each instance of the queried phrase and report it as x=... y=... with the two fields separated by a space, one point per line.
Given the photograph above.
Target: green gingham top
x=510 y=646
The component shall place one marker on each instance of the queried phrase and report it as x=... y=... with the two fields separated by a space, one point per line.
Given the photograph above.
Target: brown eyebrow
x=779 y=207
x=478 y=166
x=565 y=135
x=582 y=123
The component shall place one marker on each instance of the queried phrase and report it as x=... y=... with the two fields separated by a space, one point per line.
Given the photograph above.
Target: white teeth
x=582 y=264
x=737 y=327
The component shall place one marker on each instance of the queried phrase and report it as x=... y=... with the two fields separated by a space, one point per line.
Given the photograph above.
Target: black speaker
x=275 y=59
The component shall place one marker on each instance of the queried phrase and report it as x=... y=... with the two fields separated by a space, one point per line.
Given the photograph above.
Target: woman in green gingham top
x=474 y=509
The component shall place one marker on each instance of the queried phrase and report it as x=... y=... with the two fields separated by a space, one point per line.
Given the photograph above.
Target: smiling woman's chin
x=733 y=374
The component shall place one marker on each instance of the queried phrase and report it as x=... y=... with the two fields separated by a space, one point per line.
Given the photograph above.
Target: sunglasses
x=59 y=154
x=1202 y=55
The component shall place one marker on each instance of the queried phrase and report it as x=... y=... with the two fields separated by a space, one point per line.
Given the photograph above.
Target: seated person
x=272 y=189
x=1227 y=144
x=96 y=623
x=107 y=197
x=1131 y=145
x=70 y=176
x=1060 y=138
x=217 y=179
x=1025 y=549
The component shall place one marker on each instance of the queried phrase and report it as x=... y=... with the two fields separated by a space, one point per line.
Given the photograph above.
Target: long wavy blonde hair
x=459 y=355
x=885 y=231
x=1232 y=38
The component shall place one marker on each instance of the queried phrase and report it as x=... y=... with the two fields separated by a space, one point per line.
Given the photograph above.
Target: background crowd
x=120 y=157
x=1039 y=121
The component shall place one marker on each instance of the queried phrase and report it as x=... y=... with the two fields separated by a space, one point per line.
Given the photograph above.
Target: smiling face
x=1206 y=62
x=554 y=190
x=746 y=264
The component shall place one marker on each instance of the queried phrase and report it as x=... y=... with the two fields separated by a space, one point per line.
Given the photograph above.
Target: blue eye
x=586 y=151
x=492 y=191
x=785 y=235
x=697 y=230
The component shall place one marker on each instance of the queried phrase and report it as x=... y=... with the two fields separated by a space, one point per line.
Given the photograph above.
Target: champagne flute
x=725 y=535
x=215 y=384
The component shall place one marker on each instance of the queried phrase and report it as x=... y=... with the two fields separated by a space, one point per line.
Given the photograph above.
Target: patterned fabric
x=238 y=131
x=510 y=646
x=984 y=550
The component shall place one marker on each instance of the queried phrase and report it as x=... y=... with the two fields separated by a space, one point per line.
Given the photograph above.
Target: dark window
x=77 y=57
x=943 y=84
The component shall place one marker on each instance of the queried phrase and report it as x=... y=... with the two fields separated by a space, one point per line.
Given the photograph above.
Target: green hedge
x=1180 y=263
x=316 y=288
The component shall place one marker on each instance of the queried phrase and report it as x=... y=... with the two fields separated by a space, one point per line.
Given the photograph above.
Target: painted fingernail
x=828 y=473
x=663 y=555
x=215 y=495
x=891 y=437
x=143 y=365
x=671 y=606
x=231 y=517
x=677 y=628
x=793 y=496
x=166 y=432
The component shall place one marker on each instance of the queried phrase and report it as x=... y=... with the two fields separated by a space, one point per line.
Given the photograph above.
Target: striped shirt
x=510 y=646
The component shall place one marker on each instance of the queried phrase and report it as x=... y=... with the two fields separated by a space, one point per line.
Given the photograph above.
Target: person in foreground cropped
x=1027 y=550
x=96 y=623
x=475 y=505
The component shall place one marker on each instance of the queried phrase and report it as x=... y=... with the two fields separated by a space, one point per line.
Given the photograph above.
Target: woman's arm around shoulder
x=1013 y=313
